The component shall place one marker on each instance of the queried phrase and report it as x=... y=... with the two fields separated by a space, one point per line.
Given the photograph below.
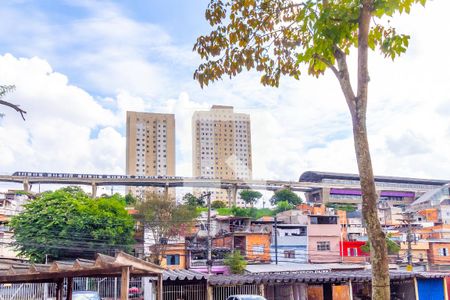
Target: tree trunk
x=378 y=249
x=358 y=107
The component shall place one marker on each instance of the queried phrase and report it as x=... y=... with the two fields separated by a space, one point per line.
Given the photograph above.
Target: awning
x=103 y=266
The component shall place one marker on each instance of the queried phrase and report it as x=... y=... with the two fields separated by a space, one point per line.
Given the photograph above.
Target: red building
x=351 y=251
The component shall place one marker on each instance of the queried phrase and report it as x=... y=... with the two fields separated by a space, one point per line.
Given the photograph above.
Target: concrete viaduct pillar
x=26 y=185
x=232 y=195
x=166 y=191
x=94 y=190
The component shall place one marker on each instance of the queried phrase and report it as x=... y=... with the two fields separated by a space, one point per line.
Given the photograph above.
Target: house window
x=323 y=246
x=173 y=260
x=443 y=252
x=258 y=249
x=289 y=253
x=352 y=251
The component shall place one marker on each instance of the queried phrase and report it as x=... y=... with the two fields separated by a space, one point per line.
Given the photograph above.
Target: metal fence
x=185 y=292
x=223 y=292
x=108 y=288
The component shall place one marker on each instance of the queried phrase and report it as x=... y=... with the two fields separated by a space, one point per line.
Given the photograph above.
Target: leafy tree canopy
x=235 y=262
x=192 y=200
x=276 y=37
x=283 y=206
x=165 y=220
x=285 y=37
x=67 y=224
x=130 y=199
x=218 y=204
x=285 y=195
x=250 y=196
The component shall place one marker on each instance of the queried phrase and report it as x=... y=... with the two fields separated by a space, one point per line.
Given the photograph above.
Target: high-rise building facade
x=221 y=146
x=150 y=145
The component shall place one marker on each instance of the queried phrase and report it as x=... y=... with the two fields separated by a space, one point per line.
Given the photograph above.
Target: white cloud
x=301 y=126
x=59 y=133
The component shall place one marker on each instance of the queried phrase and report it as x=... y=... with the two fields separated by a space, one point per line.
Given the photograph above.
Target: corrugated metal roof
x=304 y=267
x=341 y=276
x=182 y=274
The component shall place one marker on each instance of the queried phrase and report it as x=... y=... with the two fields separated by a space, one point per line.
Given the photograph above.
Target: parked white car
x=246 y=297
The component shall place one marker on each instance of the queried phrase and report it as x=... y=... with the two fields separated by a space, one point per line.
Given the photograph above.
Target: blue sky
x=79 y=65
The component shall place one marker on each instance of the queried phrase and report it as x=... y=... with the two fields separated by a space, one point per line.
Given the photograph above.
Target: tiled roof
x=104 y=266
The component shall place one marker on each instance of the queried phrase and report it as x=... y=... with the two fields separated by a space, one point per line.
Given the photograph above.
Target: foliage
x=254 y=213
x=67 y=223
x=285 y=195
x=348 y=207
x=283 y=206
x=263 y=212
x=281 y=37
x=235 y=262
x=218 y=204
x=225 y=211
x=277 y=37
x=250 y=196
x=130 y=200
x=165 y=220
x=192 y=200
x=393 y=247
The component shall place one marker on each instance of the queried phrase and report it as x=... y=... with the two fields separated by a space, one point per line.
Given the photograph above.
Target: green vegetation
x=254 y=213
x=250 y=196
x=130 y=200
x=66 y=224
x=287 y=38
x=165 y=220
x=283 y=206
x=216 y=204
x=285 y=195
x=393 y=247
x=192 y=200
x=339 y=206
x=235 y=262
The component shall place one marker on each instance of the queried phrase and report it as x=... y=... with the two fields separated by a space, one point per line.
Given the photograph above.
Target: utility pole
x=209 y=247
x=276 y=240
x=408 y=219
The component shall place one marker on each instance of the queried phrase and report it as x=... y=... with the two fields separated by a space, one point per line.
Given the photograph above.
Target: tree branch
x=328 y=63
x=15 y=107
x=344 y=79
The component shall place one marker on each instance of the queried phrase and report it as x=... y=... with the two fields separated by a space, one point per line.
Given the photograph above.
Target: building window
x=443 y=252
x=258 y=249
x=352 y=251
x=289 y=253
x=173 y=260
x=323 y=246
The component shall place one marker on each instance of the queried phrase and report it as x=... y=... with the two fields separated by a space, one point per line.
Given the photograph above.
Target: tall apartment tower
x=150 y=146
x=221 y=146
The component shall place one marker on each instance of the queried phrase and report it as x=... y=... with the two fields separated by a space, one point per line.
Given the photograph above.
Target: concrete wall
x=323 y=233
x=435 y=253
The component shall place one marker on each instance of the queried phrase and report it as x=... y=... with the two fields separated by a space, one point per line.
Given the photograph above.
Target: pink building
x=324 y=236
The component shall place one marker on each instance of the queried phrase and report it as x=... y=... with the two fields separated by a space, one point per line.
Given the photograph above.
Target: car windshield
x=85 y=296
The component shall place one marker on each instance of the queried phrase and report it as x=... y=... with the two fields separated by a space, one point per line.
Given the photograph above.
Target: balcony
x=202 y=262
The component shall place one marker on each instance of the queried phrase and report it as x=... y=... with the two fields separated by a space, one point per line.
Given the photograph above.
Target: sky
x=79 y=65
